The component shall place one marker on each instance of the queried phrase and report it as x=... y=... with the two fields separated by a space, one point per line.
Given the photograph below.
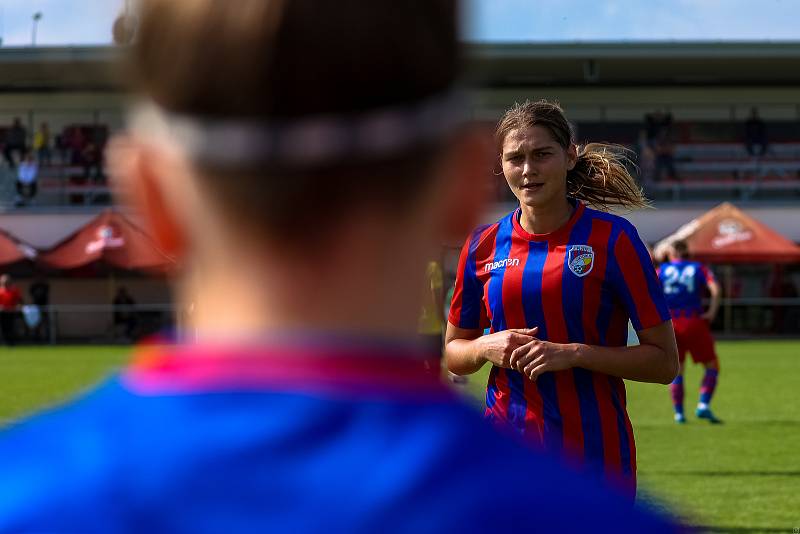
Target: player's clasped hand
x=537 y=357
x=498 y=347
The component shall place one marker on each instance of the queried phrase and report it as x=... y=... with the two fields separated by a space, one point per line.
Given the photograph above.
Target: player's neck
x=351 y=289
x=545 y=219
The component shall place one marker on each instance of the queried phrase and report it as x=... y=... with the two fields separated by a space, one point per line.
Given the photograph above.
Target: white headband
x=307 y=141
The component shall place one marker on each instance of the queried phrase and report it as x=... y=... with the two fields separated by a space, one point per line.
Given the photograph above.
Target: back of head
x=292 y=58
x=680 y=249
x=274 y=64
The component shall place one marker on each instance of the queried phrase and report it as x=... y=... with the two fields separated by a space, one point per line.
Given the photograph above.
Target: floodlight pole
x=36 y=18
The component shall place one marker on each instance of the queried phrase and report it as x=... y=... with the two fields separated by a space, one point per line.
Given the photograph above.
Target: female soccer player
x=557 y=281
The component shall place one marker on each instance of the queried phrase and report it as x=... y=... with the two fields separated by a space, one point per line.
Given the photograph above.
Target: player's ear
x=466 y=168
x=137 y=172
x=572 y=156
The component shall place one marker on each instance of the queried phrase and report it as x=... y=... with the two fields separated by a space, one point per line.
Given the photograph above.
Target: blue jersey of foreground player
x=285 y=439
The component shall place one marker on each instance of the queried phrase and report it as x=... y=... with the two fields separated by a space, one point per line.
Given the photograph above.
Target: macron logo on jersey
x=508 y=262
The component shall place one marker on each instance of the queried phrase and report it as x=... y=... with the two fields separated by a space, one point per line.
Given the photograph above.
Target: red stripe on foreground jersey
x=569 y=406
x=633 y=273
x=608 y=420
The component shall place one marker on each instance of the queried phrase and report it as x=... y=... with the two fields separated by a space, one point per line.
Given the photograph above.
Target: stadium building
x=607 y=89
x=78 y=93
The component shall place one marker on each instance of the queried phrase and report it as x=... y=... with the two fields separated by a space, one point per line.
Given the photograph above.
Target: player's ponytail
x=600 y=176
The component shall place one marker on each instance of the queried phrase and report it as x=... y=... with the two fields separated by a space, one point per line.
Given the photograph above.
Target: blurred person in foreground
x=684 y=282
x=302 y=160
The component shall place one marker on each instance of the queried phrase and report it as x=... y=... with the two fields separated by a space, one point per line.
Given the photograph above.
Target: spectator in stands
x=76 y=141
x=16 y=141
x=27 y=175
x=10 y=302
x=665 y=156
x=657 y=124
x=92 y=159
x=41 y=144
x=755 y=134
x=63 y=148
x=125 y=320
x=646 y=158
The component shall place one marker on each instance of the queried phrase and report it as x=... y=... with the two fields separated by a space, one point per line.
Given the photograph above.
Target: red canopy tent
x=14 y=253
x=109 y=240
x=726 y=234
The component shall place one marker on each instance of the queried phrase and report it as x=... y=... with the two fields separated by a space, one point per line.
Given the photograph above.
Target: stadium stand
x=709 y=89
x=712 y=162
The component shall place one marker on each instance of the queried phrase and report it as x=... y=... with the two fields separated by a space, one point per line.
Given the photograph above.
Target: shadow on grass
x=729 y=423
x=725 y=473
x=701 y=528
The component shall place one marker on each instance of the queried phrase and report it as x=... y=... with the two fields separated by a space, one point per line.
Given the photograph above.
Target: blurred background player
x=684 y=284
x=10 y=302
x=431 y=320
x=557 y=282
x=302 y=160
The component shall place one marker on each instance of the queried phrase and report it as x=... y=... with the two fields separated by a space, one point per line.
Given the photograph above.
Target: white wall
x=43 y=230
x=655 y=224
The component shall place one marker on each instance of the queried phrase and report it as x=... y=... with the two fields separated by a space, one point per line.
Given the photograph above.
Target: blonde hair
x=600 y=176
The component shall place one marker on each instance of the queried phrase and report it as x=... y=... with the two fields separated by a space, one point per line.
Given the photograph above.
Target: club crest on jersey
x=580 y=259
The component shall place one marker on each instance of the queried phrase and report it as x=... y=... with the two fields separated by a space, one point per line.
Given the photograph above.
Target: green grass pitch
x=742 y=476
x=37 y=377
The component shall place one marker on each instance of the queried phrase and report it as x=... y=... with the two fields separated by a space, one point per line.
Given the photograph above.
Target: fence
x=90 y=323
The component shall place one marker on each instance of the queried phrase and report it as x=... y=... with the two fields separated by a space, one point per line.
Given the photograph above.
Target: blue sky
x=590 y=20
x=67 y=22
x=63 y=22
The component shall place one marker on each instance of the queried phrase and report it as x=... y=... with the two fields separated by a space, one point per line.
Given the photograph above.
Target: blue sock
x=676 y=391
x=708 y=386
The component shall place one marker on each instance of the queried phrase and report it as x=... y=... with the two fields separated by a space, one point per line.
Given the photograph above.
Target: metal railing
x=102 y=323
x=96 y=323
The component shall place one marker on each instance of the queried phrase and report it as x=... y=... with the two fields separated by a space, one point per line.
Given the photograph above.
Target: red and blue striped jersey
x=684 y=283
x=578 y=284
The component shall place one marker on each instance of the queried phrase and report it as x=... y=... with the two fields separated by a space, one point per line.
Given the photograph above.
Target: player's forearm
x=642 y=363
x=463 y=356
x=716 y=294
x=713 y=306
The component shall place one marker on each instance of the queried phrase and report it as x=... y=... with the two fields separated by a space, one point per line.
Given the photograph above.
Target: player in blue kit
x=301 y=160
x=685 y=283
